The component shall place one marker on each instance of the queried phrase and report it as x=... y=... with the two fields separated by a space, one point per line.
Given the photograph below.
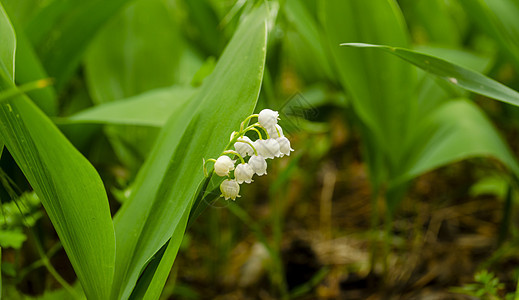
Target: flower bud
x=258 y=164
x=273 y=132
x=230 y=189
x=268 y=118
x=284 y=146
x=223 y=165
x=243 y=173
x=242 y=147
x=267 y=148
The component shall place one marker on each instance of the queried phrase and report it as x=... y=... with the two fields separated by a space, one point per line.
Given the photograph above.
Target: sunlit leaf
x=69 y=188
x=166 y=185
x=149 y=109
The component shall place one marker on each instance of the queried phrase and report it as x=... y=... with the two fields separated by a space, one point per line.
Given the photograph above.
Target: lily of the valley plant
x=275 y=145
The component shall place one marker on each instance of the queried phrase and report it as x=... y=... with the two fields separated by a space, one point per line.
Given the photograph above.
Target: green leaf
x=152 y=108
x=135 y=53
x=62 y=31
x=167 y=183
x=377 y=83
x=7 y=44
x=462 y=77
x=445 y=137
x=69 y=188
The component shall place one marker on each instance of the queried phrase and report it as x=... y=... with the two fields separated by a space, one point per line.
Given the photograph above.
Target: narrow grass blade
x=462 y=77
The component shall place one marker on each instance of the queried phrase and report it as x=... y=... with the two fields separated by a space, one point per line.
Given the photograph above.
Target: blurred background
x=368 y=206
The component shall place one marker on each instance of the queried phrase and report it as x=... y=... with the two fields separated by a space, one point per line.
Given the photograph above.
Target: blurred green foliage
x=145 y=89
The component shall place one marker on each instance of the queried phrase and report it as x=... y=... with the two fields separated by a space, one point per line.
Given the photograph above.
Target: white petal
x=258 y=164
x=275 y=132
x=271 y=149
x=268 y=118
x=230 y=189
x=244 y=173
x=284 y=145
x=223 y=165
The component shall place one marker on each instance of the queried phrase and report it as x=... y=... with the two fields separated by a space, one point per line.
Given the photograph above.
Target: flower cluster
x=275 y=145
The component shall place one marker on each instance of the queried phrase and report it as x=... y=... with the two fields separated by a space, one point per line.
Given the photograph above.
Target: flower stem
x=235 y=153
x=205 y=162
x=257 y=131
x=246 y=119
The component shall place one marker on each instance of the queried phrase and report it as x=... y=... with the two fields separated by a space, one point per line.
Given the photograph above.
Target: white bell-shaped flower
x=273 y=132
x=230 y=189
x=284 y=146
x=244 y=173
x=242 y=147
x=223 y=165
x=268 y=118
x=267 y=148
x=258 y=164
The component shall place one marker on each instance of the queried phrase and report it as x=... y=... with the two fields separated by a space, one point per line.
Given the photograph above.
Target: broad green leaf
x=149 y=109
x=62 y=31
x=456 y=130
x=462 y=77
x=69 y=188
x=136 y=53
x=166 y=185
x=7 y=44
x=377 y=83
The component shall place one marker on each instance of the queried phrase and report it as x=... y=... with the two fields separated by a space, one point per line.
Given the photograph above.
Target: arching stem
x=235 y=153
x=246 y=119
x=205 y=162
